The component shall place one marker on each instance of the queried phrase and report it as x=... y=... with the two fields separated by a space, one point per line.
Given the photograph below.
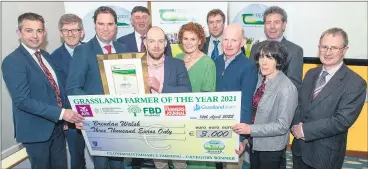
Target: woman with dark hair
x=201 y=69
x=274 y=103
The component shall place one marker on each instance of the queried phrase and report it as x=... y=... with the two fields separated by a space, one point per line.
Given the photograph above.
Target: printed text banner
x=182 y=126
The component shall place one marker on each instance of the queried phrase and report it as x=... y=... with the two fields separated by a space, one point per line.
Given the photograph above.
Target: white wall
x=307 y=21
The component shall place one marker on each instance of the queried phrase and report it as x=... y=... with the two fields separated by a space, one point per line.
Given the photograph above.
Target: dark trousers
x=101 y=162
x=266 y=159
x=299 y=164
x=76 y=146
x=48 y=154
x=283 y=161
x=137 y=163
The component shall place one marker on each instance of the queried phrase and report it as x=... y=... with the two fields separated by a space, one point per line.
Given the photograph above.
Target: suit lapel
x=117 y=47
x=167 y=69
x=96 y=46
x=33 y=63
x=133 y=42
x=330 y=87
x=205 y=47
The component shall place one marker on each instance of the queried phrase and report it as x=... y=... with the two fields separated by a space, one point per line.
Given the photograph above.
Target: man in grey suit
x=275 y=19
x=331 y=99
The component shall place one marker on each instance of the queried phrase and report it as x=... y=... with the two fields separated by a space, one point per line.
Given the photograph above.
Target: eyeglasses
x=333 y=49
x=73 y=31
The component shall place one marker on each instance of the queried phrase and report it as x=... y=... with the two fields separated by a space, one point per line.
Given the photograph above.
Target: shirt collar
x=29 y=50
x=137 y=35
x=278 y=39
x=69 y=49
x=213 y=38
x=333 y=70
x=231 y=59
x=102 y=44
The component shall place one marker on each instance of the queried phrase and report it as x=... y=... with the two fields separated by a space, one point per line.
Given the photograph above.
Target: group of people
x=275 y=101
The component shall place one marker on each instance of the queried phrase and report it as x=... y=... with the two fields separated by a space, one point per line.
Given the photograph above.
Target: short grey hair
x=30 y=16
x=70 y=19
x=275 y=10
x=334 y=32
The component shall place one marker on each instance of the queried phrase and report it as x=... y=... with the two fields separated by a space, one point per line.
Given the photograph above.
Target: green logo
x=253 y=19
x=173 y=15
x=134 y=109
x=152 y=111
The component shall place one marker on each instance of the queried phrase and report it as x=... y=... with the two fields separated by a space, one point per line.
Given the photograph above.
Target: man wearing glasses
x=331 y=98
x=71 y=31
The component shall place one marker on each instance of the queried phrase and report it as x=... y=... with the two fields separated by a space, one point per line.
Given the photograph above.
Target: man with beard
x=84 y=75
x=166 y=75
x=140 y=20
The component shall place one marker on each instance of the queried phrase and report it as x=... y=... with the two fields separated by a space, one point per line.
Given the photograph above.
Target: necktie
x=50 y=78
x=108 y=48
x=143 y=48
x=321 y=82
x=215 y=51
x=257 y=98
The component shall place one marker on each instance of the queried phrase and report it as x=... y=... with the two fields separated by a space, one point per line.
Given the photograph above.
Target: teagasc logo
x=134 y=109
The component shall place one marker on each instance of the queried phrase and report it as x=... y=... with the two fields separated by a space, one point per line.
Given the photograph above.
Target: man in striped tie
x=331 y=99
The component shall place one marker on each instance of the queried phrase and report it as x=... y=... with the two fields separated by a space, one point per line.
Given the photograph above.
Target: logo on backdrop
x=251 y=18
x=123 y=23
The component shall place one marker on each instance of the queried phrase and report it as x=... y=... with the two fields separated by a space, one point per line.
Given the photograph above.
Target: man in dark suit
x=275 y=19
x=166 y=75
x=38 y=97
x=331 y=98
x=235 y=72
x=71 y=31
x=141 y=21
x=216 y=23
x=84 y=75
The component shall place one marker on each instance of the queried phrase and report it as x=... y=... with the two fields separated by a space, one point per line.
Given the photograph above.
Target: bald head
x=232 y=40
x=155 y=42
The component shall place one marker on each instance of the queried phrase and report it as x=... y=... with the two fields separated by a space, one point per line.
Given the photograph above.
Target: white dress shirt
x=32 y=53
x=211 y=46
x=102 y=44
x=138 y=40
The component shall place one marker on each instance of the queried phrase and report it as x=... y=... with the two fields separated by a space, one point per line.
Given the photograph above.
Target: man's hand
x=154 y=84
x=79 y=126
x=241 y=128
x=297 y=131
x=72 y=116
x=241 y=148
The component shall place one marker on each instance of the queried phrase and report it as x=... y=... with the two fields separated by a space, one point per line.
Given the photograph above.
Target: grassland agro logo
x=175 y=15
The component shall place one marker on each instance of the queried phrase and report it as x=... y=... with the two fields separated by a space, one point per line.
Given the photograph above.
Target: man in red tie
x=84 y=76
x=38 y=99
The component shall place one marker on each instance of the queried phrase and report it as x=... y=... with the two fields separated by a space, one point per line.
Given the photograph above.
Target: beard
x=156 y=56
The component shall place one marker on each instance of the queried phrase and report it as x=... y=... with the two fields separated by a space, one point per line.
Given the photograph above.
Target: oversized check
x=181 y=126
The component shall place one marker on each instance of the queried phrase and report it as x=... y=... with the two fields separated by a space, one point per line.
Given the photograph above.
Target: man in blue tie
x=216 y=23
x=71 y=31
x=84 y=75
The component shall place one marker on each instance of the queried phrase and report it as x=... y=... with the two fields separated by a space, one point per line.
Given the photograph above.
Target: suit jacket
x=35 y=110
x=328 y=117
x=240 y=75
x=176 y=78
x=294 y=62
x=274 y=115
x=131 y=43
x=61 y=58
x=84 y=75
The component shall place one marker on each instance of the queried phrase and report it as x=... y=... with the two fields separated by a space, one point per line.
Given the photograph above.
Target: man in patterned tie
x=141 y=21
x=84 y=76
x=38 y=98
x=71 y=31
x=331 y=99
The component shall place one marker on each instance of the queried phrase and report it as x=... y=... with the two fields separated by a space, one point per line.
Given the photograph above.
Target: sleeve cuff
x=301 y=128
x=61 y=114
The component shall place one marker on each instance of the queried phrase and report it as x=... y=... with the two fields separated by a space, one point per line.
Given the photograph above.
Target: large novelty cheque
x=181 y=126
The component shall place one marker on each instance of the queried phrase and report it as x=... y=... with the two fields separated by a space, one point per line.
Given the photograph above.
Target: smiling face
x=190 y=42
x=274 y=26
x=141 y=22
x=71 y=34
x=32 y=33
x=232 y=40
x=155 y=43
x=335 y=50
x=105 y=27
